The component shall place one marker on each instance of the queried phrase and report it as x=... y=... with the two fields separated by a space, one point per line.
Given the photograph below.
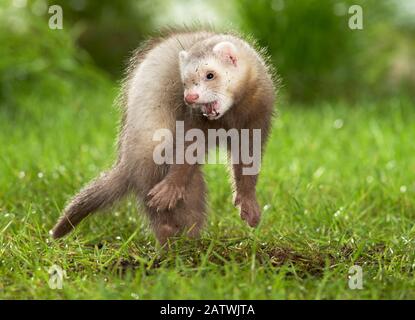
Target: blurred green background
x=311 y=45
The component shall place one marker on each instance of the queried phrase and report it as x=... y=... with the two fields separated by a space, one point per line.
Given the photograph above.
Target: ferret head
x=211 y=79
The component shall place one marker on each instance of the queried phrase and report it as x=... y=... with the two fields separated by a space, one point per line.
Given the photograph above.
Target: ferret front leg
x=245 y=173
x=245 y=196
x=166 y=194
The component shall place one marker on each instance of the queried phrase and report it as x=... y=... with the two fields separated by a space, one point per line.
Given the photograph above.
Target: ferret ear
x=226 y=51
x=183 y=56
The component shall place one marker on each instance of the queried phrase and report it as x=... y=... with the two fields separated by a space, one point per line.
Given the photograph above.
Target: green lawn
x=337 y=187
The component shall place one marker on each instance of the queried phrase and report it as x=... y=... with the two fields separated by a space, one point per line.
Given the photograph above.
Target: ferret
x=205 y=79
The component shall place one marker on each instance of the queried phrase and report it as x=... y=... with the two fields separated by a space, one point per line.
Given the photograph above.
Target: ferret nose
x=191 y=97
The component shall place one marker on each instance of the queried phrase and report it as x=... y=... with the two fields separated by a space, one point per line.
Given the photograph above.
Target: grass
x=337 y=187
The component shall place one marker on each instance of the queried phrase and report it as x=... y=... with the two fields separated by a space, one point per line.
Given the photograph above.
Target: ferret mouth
x=210 y=110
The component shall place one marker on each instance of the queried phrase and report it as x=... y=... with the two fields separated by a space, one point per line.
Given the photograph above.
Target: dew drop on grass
x=391 y=165
x=338 y=124
x=319 y=172
x=294 y=166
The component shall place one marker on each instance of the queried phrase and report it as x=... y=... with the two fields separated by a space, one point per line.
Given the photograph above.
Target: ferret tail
x=98 y=194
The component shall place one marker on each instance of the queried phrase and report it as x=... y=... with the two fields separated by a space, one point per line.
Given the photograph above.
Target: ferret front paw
x=249 y=211
x=165 y=195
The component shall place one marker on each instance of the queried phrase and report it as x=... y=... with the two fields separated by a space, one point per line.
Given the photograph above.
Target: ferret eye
x=210 y=76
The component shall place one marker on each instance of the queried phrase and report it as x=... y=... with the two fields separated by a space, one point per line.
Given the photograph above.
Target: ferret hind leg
x=187 y=218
